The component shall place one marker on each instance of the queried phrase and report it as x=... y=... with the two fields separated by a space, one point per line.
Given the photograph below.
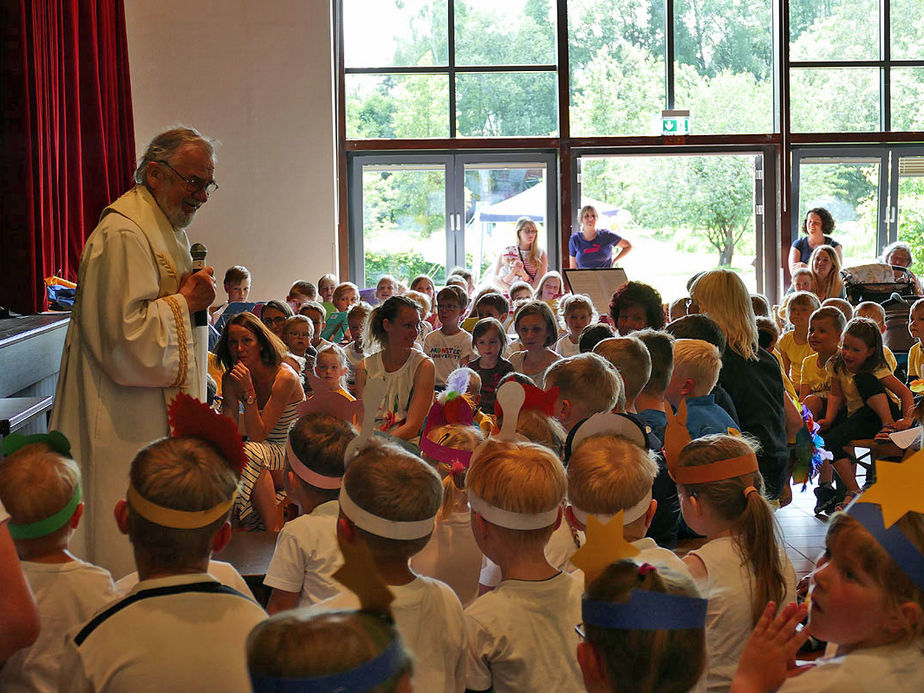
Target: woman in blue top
x=592 y=248
x=818 y=226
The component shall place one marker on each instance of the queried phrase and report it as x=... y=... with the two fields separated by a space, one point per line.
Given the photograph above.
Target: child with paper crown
x=179 y=628
x=608 y=475
x=643 y=629
x=40 y=487
x=357 y=651
x=742 y=566
x=521 y=635
x=447 y=443
x=866 y=598
x=696 y=372
x=306 y=555
x=389 y=499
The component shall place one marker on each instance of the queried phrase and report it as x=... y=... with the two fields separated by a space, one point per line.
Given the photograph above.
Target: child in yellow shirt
x=793 y=345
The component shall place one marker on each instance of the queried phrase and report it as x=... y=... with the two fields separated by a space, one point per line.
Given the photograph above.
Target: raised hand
x=770 y=654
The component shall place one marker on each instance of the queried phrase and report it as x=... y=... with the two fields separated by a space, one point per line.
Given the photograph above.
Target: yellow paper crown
x=605 y=545
x=676 y=437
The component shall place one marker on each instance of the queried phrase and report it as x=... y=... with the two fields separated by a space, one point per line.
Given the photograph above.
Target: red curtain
x=68 y=145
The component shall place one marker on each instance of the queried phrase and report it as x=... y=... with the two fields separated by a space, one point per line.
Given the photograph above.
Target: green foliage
x=404 y=265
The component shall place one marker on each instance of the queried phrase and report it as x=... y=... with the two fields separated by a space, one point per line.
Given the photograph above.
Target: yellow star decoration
x=359 y=575
x=605 y=545
x=898 y=488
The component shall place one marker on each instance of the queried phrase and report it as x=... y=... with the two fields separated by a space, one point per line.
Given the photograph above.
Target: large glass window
x=405 y=78
x=682 y=214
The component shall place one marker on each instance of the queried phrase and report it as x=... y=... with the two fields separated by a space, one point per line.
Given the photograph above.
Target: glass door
x=425 y=214
x=852 y=184
x=906 y=214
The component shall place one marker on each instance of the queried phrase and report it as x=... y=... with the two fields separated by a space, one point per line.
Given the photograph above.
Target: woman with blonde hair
x=825 y=265
x=525 y=261
x=749 y=374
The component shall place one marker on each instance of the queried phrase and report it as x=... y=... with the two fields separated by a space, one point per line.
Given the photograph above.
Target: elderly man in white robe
x=131 y=345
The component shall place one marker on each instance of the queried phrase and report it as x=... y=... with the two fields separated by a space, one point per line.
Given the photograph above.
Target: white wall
x=258 y=77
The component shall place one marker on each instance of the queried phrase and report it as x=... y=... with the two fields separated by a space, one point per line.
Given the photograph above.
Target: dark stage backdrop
x=68 y=145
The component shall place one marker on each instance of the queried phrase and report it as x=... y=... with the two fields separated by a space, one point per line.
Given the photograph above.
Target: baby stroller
x=895 y=289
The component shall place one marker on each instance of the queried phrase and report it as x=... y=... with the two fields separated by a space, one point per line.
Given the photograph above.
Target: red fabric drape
x=68 y=145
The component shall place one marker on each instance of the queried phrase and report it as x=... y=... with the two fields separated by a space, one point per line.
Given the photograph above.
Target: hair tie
x=749 y=490
x=646 y=568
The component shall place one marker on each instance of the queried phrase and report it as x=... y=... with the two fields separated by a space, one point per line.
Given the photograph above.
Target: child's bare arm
x=834 y=403
x=281 y=600
x=893 y=384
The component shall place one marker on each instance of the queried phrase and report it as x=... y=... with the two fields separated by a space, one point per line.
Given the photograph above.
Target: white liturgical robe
x=129 y=349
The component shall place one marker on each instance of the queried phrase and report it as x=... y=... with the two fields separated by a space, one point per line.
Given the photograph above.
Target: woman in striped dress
x=261 y=394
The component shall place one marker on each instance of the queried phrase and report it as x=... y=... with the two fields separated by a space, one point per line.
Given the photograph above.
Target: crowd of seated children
x=307 y=555
x=389 y=499
x=40 y=488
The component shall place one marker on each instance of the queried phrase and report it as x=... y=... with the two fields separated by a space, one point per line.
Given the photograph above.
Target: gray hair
x=892 y=247
x=166 y=144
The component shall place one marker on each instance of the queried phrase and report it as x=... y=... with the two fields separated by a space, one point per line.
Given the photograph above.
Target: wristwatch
x=251 y=398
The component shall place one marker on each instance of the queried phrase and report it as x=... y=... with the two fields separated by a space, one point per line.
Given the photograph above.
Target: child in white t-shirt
x=40 y=486
x=389 y=499
x=450 y=346
x=521 y=635
x=607 y=474
x=578 y=312
x=306 y=553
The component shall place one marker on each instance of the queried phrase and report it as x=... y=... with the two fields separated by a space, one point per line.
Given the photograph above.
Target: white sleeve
x=479 y=650
x=822 y=678
x=287 y=568
x=139 y=338
x=71 y=676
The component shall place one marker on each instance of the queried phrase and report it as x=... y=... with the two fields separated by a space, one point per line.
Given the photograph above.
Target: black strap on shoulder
x=208 y=587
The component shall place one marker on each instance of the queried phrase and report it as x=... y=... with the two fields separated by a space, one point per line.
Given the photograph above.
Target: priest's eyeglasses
x=193 y=184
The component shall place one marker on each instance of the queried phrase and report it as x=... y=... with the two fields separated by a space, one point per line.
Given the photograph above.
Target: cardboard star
x=605 y=544
x=359 y=575
x=898 y=488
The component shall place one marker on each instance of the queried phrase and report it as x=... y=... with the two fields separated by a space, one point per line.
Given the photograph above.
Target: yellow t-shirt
x=915 y=362
x=815 y=377
x=796 y=353
x=852 y=399
x=787 y=383
x=890 y=358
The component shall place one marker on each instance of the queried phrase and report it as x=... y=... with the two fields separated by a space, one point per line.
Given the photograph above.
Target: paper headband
x=606 y=543
x=52 y=523
x=611 y=424
x=892 y=540
x=646 y=610
x=450 y=407
x=190 y=418
x=533 y=398
x=511 y=519
x=55 y=440
x=309 y=476
x=172 y=518
x=676 y=437
x=382 y=527
x=629 y=515
x=364 y=677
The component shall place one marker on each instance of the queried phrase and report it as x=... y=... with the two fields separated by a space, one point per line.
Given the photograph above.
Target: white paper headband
x=379 y=526
x=309 y=476
x=629 y=516
x=510 y=519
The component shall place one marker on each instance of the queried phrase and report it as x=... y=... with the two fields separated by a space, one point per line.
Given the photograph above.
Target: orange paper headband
x=676 y=437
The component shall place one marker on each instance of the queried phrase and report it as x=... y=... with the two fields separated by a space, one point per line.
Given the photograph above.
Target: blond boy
x=587 y=384
x=301 y=292
x=608 y=474
x=578 y=312
x=632 y=360
x=696 y=371
x=389 y=499
x=41 y=490
x=521 y=635
x=178 y=629
x=450 y=346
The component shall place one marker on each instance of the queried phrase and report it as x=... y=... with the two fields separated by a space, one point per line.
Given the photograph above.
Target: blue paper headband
x=646 y=610
x=362 y=678
x=893 y=540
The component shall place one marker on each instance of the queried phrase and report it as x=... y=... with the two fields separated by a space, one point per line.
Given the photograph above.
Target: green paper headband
x=56 y=440
x=42 y=528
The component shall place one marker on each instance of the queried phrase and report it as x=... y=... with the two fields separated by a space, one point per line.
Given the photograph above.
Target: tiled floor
x=803 y=533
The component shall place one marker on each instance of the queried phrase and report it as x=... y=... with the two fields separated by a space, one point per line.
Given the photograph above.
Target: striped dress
x=269 y=454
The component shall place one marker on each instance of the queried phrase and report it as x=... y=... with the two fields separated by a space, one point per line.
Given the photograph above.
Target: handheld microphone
x=198 y=252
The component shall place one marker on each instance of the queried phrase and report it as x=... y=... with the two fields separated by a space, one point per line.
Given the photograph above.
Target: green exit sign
x=675 y=122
